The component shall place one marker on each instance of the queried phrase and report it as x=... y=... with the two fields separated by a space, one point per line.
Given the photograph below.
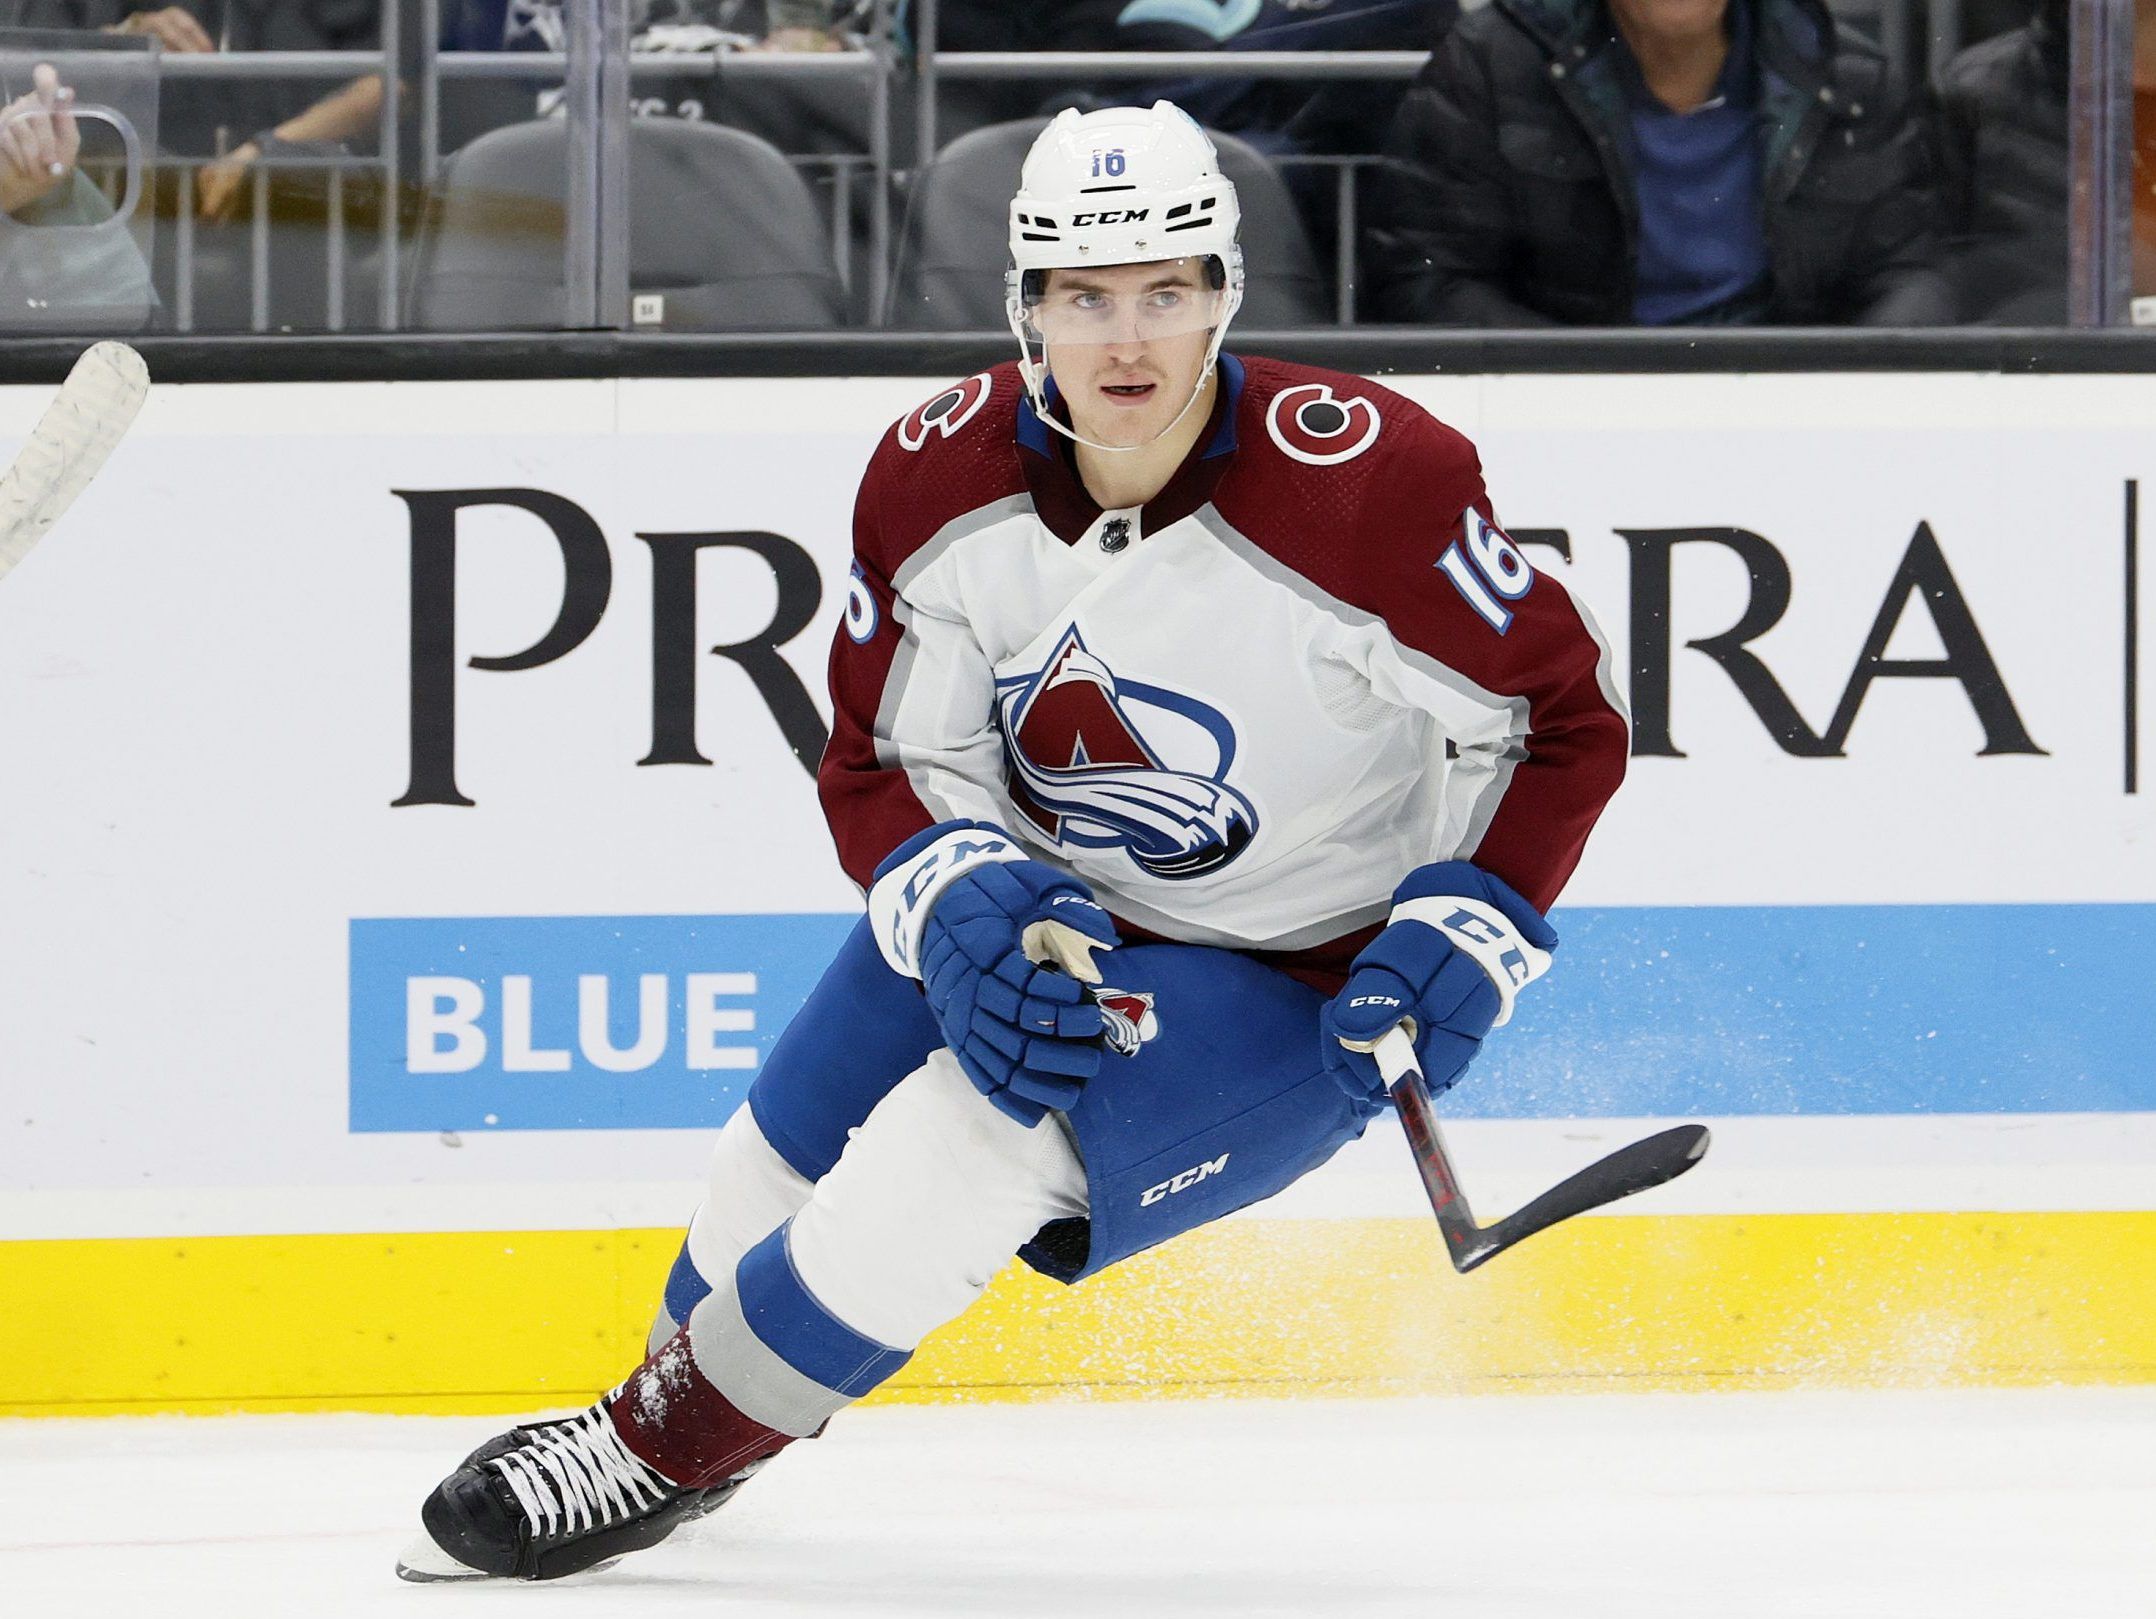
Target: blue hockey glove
x=953 y=907
x=1459 y=946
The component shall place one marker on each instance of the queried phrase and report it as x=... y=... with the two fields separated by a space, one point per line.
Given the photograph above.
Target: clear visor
x=1088 y=307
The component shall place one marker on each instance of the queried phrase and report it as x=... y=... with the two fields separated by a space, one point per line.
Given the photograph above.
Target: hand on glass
x=38 y=141
x=800 y=39
x=173 y=28
x=218 y=185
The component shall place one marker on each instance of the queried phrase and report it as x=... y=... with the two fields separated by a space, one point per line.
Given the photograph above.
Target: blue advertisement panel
x=1728 y=1011
x=572 y=1022
x=556 y=1023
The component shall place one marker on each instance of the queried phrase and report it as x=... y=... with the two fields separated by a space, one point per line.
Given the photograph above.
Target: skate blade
x=424 y=1563
x=421 y=1576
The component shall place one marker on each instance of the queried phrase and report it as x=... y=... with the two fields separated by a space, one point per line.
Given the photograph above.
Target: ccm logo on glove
x=1484 y=934
x=1459 y=947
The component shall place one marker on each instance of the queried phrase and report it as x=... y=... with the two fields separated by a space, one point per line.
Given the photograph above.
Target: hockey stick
x=78 y=430
x=1630 y=1169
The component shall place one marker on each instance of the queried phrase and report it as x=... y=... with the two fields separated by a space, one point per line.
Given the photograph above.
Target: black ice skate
x=549 y=1499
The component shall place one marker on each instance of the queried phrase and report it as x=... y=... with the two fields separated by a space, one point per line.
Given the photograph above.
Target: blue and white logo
x=1102 y=763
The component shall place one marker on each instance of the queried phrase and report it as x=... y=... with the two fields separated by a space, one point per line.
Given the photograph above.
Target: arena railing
x=598 y=71
x=387 y=163
x=1376 y=351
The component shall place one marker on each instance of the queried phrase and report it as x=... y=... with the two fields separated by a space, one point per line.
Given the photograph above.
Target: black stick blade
x=1630 y=1169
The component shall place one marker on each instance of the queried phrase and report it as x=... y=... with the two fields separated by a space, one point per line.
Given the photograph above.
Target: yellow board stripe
x=490 y=1321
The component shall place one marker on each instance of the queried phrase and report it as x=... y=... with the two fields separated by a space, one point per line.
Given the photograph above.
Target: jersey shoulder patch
x=1313 y=424
x=947 y=413
x=953 y=453
x=1321 y=418
x=1338 y=476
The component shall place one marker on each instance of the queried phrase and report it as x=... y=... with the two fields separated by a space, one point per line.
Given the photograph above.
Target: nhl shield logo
x=1127 y=1019
x=1088 y=770
x=1115 y=534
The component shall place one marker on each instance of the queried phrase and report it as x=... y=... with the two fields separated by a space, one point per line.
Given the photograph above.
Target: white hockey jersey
x=1241 y=713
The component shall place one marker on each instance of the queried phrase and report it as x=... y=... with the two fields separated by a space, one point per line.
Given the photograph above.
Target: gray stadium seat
x=955 y=245
x=719 y=223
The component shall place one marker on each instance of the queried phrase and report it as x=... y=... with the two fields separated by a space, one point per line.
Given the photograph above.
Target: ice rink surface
x=2036 y=1504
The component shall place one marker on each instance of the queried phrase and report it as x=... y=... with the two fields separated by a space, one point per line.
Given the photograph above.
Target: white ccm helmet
x=1125 y=185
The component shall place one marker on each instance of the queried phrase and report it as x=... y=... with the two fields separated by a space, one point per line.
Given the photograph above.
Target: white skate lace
x=579 y=1475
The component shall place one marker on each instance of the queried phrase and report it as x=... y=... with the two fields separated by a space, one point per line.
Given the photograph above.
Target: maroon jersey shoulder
x=1342 y=479
x=953 y=453
x=1288 y=404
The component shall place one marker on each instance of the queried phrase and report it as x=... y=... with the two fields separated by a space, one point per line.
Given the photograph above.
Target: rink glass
x=374 y=210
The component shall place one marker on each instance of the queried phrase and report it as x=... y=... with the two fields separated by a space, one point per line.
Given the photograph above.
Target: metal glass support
x=183 y=269
x=1083 y=65
x=392 y=271
x=289 y=66
x=1344 y=248
x=879 y=159
x=841 y=177
x=595 y=246
x=467 y=65
x=580 y=95
x=2100 y=240
x=926 y=69
x=258 y=247
x=430 y=90
x=303 y=67
x=613 y=225
x=333 y=301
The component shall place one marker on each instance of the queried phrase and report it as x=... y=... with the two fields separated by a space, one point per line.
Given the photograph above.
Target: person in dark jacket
x=1662 y=162
x=2002 y=127
x=1288 y=115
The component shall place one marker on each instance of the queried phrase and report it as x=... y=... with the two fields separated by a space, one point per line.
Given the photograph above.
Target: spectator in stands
x=1279 y=116
x=1047 y=25
x=1659 y=162
x=1292 y=118
x=174 y=27
x=803 y=25
x=353 y=111
x=209 y=118
x=2002 y=127
x=50 y=275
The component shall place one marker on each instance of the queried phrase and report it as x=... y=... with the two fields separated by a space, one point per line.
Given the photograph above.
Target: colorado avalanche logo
x=1127 y=1019
x=1319 y=429
x=946 y=413
x=1085 y=774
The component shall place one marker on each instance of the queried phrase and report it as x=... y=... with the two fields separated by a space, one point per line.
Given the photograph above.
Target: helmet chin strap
x=1035 y=374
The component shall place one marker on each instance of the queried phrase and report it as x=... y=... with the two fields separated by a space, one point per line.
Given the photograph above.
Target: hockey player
x=1219 y=671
